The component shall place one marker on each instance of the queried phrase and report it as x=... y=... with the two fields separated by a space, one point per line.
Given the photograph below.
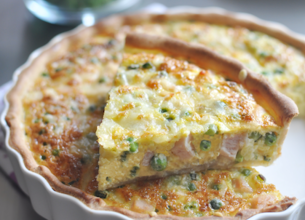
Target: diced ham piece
x=140 y=205
x=241 y=185
x=262 y=201
x=147 y=157
x=183 y=148
x=231 y=144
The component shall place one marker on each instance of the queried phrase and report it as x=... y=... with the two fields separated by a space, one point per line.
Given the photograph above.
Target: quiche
x=167 y=116
x=59 y=95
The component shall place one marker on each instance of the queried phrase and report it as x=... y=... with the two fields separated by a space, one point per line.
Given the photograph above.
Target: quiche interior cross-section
x=177 y=108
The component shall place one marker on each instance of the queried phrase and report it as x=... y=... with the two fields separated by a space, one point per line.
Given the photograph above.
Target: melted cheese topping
x=219 y=193
x=63 y=109
x=166 y=106
x=282 y=64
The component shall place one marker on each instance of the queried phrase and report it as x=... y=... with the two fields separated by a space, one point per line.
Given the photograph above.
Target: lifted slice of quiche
x=239 y=193
x=167 y=116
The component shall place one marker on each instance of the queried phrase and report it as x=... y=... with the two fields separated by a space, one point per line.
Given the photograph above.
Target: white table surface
x=14 y=205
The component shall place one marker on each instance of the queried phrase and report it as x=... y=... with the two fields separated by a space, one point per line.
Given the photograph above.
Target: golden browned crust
x=112 y=25
x=282 y=108
x=242 y=215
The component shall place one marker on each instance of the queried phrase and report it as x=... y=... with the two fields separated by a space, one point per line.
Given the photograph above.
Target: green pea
x=133 y=67
x=212 y=130
x=270 y=138
x=239 y=158
x=147 y=65
x=134 y=170
x=163 y=110
x=216 y=187
x=42 y=131
x=193 y=176
x=102 y=194
x=162 y=73
x=170 y=118
x=133 y=147
x=279 y=71
x=55 y=152
x=130 y=139
x=191 y=187
x=124 y=156
x=205 y=145
x=43 y=157
x=102 y=80
x=163 y=196
x=191 y=205
x=216 y=204
x=158 y=162
x=59 y=69
x=246 y=172
x=45 y=74
x=266 y=158
x=255 y=135
x=187 y=113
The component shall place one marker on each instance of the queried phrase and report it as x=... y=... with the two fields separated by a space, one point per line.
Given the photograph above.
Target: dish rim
x=58 y=38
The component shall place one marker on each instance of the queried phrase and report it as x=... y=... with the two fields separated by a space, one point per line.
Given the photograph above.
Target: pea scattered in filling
x=270 y=138
x=147 y=65
x=216 y=204
x=255 y=135
x=134 y=170
x=158 y=162
x=212 y=130
x=205 y=145
x=133 y=146
x=246 y=172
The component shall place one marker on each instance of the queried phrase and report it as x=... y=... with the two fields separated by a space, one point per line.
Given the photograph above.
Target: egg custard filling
x=212 y=193
x=167 y=116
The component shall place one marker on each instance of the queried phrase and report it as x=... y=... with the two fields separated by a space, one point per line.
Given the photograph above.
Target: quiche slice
x=237 y=193
x=167 y=116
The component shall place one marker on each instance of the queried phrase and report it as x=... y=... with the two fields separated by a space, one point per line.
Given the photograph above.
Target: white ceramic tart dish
x=45 y=189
